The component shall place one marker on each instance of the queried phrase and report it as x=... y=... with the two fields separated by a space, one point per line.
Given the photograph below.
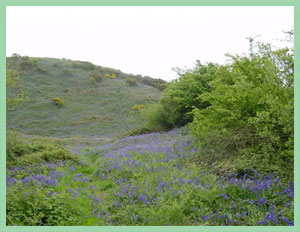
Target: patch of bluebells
x=146 y=171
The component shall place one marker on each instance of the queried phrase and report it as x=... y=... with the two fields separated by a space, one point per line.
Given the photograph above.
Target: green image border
x=4 y=3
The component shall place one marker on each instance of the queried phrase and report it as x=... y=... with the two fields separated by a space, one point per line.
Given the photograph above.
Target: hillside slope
x=91 y=108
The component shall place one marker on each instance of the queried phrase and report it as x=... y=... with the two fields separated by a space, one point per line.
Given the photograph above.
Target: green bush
x=67 y=72
x=180 y=98
x=251 y=110
x=15 y=95
x=96 y=77
x=40 y=209
x=156 y=118
x=29 y=63
x=27 y=152
x=131 y=82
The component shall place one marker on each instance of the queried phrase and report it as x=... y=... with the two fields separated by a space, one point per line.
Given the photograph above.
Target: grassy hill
x=98 y=101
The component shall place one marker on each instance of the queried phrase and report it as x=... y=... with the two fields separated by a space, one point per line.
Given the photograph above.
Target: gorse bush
x=112 y=76
x=138 y=107
x=58 y=101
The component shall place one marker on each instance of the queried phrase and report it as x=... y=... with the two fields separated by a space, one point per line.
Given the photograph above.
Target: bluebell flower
x=181 y=181
x=262 y=201
x=288 y=222
x=25 y=180
x=224 y=195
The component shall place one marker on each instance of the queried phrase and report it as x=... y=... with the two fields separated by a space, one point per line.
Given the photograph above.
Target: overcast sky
x=142 y=40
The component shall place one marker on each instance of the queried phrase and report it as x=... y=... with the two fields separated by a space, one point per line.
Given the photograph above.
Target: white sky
x=142 y=40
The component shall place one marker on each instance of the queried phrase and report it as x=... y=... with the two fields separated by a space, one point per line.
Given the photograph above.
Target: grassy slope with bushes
x=88 y=108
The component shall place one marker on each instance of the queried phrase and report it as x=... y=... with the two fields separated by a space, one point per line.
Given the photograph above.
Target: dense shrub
x=251 y=111
x=29 y=63
x=131 y=82
x=42 y=71
x=26 y=152
x=156 y=118
x=96 y=77
x=175 y=106
x=83 y=65
x=67 y=72
x=39 y=209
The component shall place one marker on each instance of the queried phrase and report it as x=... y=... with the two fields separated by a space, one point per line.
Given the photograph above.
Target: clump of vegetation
x=138 y=107
x=251 y=111
x=96 y=77
x=112 y=76
x=161 y=86
x=131 y=82
x=83 y=65
x=42 y=71
x=58 y=101
x=29 y=63
x=67 y=72
x=28 y=152
x=15 y=94
x=177 y=102
x=57 y=65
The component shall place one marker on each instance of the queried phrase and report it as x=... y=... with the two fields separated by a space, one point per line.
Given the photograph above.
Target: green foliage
x=93 y=80
x=40 y=209
x=15 y=95
x=96 y=77
x=67 y=72
x=161 y=86
x=157 y=83
x=29 y=63
x=251 y=111
x=156 y=118
x=87 y=66
x=180 y=97
x=28 y=152
x=131 y=82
